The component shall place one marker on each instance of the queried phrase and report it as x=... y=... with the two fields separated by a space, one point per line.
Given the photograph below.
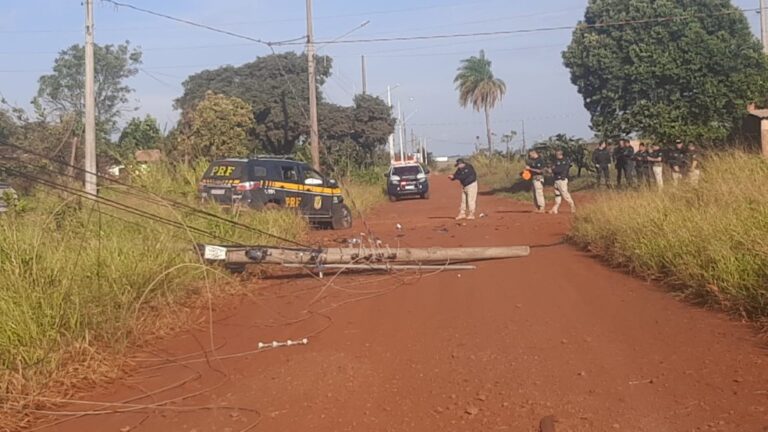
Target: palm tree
x=477 y=86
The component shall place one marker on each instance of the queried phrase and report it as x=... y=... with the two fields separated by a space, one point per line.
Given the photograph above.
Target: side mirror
x=333 y=183
x=386 y=175
x=426 y=171
x=313 y=182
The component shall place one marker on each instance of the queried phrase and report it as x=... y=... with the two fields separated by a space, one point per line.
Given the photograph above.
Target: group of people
x=646 y=165
x=636 y=168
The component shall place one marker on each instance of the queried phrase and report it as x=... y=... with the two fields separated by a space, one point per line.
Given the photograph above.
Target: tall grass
x=365 y=188
x=710 y=242
x=74 y=274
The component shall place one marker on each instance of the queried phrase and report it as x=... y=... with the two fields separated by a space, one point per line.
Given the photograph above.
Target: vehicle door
x=291 y=185
x=318 y=197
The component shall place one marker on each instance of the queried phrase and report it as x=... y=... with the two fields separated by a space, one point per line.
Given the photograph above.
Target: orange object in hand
x=526 y=175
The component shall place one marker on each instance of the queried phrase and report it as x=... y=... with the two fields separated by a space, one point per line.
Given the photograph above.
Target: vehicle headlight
x=394 y=179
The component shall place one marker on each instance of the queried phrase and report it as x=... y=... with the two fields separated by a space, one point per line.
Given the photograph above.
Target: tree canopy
x=688 y=78
x=63 y=90
x=140 y=134
x=216 y=128
x=477 y=86
x=275 y=86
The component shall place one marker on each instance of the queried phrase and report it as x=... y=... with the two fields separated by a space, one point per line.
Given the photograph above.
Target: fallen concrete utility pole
x=360 y=255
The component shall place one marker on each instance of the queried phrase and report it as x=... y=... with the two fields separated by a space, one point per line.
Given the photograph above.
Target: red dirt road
x=497 y=348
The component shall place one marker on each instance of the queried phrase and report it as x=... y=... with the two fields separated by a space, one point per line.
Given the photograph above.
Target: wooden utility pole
x=764 y=24
x=365 y=78
x=314 y=137
x=90 y=104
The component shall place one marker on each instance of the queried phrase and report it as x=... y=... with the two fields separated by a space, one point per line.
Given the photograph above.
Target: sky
x=539 y=91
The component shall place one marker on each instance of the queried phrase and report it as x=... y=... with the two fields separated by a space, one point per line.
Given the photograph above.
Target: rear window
x=225 y=170
x=407 y=171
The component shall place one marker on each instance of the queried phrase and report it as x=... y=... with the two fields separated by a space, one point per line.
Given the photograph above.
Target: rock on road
x=498 y=348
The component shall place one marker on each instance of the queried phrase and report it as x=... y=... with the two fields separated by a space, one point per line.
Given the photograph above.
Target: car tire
x=341 y=217
x=392 y=198
x=425 y=195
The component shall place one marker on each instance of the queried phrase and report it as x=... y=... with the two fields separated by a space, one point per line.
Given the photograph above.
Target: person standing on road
x=642 y=166
x=561 y=168
x=466 y=175
x=693 y=164
x=677 y=162
x=601 y=157
x=535 y=165
x=656 y=161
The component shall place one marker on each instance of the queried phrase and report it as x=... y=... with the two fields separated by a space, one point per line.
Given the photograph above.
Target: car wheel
x=392 y=198
x=341 y=217
x=425 y=195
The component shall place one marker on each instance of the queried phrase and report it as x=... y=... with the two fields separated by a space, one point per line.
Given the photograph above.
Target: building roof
x=148 y=155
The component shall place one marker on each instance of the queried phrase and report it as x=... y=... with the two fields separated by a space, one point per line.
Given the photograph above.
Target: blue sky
x=539 y=89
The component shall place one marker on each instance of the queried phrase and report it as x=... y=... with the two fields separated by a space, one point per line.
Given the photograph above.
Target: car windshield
x=224 y=170
x=406 y=171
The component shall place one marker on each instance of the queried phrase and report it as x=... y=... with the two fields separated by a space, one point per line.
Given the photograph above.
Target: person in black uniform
x=536 y=166
x=641 y=166
x=676 y=160
x=466 y=175
x=618 y=159
x=629 y=163
x=561 y=168
x=601 y=157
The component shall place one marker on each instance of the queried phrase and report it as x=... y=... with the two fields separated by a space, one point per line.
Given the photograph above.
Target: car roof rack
x=281 y=157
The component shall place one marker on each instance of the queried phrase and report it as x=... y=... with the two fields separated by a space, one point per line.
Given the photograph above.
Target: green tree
x=276 y=88
x=63 y=90
x=217 y=128
x=684 y=78
x=373 y=123
x=478 y=87
x=140 y=134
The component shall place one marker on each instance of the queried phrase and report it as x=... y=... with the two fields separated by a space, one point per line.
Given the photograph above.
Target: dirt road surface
x=495 y=349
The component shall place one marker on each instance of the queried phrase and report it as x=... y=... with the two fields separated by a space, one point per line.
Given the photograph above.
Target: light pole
x=391 y=139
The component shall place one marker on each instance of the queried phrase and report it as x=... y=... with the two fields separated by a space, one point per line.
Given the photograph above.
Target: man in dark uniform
x=641 y=166
x=561 y=168
x=656 y=162
x=601 y=157
x=536 y=166
x=466 y=175
x=618 y=159
x=629 y=163
x=676 y=160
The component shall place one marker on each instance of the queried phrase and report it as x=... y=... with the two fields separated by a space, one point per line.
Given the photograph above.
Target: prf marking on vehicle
x=292 y=201
x=223 y=171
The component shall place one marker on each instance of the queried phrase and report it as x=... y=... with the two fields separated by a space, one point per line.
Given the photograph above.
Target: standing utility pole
x=764 y=24
x=391 y=139
x=401 y=130
x=90 y=104
x=314 y=138
x=365 y=80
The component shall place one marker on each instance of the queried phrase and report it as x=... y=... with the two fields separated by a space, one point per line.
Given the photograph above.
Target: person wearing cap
x=601 y=157
x=535 y=164
x=561 y=168
x=656 y=161
x=465 y=174
x=693 y=164
x=677 y=161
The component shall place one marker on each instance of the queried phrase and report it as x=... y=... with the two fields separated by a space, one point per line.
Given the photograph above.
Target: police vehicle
x=407 y=179
x=267 y=182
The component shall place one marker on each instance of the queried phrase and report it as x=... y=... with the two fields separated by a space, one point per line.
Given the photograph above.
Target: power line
x=178 y=204
x=203 y=26
x=531 y=30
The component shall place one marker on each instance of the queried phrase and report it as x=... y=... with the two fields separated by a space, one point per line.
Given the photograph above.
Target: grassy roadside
x=709 y=242
x=77 y=280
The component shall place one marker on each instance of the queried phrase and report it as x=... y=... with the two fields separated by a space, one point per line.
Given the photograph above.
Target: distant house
x=148 y=156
